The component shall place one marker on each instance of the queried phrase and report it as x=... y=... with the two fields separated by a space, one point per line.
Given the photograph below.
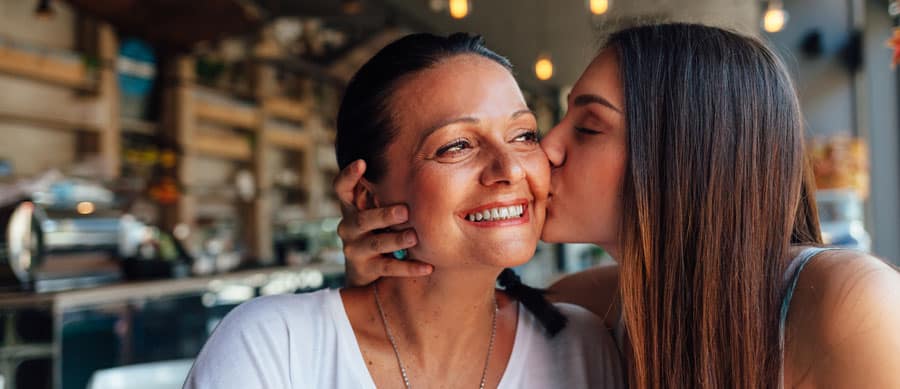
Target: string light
x=459 y=8
x=775 y=17
x=44 y=11
x=598 y=7
x=543 y=67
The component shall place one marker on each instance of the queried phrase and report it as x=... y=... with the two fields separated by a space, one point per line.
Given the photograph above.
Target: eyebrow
x=470 y=120
x=582 y=100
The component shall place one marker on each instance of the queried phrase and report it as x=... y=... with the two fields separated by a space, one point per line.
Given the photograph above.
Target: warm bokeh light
x=598 y=7
x=352 y=7
x=774 y=19
x=85 y=208
x=543 y=68
x=459 y=8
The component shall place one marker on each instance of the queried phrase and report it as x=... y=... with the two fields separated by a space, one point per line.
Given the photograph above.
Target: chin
x=518 y=255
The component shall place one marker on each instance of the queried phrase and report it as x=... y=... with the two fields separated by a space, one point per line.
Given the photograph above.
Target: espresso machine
x=68 y=234
x=54 y=248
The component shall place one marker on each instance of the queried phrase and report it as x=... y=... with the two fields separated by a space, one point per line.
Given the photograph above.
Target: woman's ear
x=364 y=195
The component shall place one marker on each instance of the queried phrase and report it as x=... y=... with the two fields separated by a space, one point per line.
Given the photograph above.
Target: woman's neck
x=445 y=312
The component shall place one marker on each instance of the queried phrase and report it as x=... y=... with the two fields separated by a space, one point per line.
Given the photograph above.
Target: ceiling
x=564 y=29
x=518 y=29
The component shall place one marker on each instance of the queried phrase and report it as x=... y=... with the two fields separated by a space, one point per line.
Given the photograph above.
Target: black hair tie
x=533 y=299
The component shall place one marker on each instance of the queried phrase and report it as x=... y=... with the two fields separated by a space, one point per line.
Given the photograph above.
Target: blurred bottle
x=841 y=219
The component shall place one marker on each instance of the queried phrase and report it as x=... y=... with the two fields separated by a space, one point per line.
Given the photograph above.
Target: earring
x=400 y=254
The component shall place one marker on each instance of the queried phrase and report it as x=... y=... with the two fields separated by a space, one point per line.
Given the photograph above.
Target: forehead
x=602 y=78
x=463 y=85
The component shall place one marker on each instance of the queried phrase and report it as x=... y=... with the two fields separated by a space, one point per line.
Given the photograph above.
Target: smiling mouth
x=497 y=214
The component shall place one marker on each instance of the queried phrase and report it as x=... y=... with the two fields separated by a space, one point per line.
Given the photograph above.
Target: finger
x=379 y=218
x=346 y=180
x=389 y=267
x=348 y=229
x=374 y=245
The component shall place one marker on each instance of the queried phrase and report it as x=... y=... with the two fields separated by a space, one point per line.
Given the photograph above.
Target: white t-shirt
x=306 y=341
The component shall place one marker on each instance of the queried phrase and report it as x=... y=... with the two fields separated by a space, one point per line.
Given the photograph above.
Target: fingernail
x=424 y=269
x=400 y=214
x=409 y=237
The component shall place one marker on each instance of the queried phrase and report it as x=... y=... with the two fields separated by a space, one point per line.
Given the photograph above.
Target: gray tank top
x=791 y=276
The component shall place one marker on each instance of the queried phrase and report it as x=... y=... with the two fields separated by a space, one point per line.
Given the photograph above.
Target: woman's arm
x=844 y=324
x=595 y=289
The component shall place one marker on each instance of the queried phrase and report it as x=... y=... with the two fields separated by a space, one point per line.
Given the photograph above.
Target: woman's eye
x=453 y=148
x=587 y=131
x=530 y=136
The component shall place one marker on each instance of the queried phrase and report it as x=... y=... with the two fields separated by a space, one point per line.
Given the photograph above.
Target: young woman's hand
x=368 y=250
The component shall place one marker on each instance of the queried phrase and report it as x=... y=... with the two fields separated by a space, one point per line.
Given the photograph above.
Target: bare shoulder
x=593 y=289
x=846 y=281
x=844 y=322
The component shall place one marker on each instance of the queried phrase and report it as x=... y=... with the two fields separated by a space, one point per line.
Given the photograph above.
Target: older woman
x=429 y=114
x=682 y=155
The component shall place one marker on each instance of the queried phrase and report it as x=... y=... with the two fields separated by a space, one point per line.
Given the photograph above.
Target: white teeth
x=502 y=213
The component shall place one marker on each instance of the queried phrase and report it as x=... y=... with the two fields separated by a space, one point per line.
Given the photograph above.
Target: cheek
x=427 y=194
x=588 y=207
x=603 y=188
x=538 y=171
x=432 y=207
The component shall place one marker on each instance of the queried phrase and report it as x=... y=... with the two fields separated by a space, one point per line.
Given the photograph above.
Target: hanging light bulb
x=43 y=10
x=351 y=7
x=598 y=7
x=543 y=67
x=775 y=17
x=460 y=8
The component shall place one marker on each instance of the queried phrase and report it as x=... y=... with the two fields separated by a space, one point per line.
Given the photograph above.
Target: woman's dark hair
x=716 y=191
x=365 y=126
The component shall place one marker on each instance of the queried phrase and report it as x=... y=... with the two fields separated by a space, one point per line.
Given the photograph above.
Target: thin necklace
x=387 y=329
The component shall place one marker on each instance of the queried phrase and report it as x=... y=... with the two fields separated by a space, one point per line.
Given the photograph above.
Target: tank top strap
x=791 y=276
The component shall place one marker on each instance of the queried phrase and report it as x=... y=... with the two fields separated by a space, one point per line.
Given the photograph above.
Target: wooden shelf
x=285 y=108
x=287 y=139
x=243 y=117
x=50 y=121
x=137 y=126
x=43 y=68
x=217 y=145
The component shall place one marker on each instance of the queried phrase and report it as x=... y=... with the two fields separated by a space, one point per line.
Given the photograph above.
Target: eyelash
x=456 y=143
x=586 y=131
x=533 y=136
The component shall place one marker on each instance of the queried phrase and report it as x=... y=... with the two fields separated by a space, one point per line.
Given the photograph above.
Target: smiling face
x=588 y=152
x=467 y=162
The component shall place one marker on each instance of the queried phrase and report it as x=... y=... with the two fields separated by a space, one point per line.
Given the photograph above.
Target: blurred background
x=162 y=161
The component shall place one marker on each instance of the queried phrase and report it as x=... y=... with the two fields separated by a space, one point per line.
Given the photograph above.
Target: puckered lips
x=499 y=214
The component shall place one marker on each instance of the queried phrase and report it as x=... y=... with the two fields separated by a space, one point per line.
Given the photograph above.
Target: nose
x=503 y=168
x=554 y=146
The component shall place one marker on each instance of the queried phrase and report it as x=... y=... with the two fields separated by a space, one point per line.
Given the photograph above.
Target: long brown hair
x=715 y=194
